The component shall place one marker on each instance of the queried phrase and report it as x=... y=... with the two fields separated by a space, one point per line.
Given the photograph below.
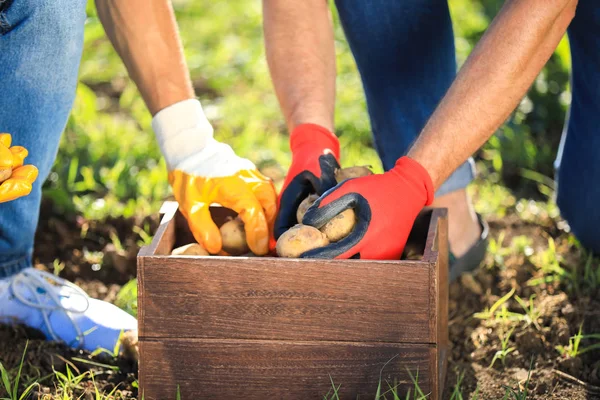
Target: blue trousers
x=404 y=50
x=40 y=51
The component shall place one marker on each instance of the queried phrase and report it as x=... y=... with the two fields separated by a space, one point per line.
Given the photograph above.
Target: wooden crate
x=273 y=328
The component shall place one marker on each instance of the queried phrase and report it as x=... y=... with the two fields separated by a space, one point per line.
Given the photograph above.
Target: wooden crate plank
x=270 y=298
x=440 y=291
x=232 y=369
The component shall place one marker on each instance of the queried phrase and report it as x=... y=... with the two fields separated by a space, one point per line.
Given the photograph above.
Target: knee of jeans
x=45 y=40
x=62 y=20
x=583 y=219
x=55 y=23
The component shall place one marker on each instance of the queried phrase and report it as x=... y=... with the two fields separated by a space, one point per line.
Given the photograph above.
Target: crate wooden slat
x=232 y=369
x=256 y=328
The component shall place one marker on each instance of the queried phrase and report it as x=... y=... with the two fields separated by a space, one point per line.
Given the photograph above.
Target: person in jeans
x=426 y=120
x=40 y=50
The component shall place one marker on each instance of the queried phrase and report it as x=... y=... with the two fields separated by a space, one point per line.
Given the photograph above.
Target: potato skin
x=351 y=172
x=234 y=237
x=340 y=226
x=5 y=173
x=305 y=205
x=192 y=249
x=299 y=239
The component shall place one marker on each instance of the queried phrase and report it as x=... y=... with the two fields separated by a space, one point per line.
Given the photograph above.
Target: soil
x=474 y=342
x=77 y=244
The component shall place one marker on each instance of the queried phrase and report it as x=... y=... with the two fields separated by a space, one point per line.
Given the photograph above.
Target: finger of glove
x=267 y=197
x=6 y=157
x=12 y=189
x=299 y=189
x=27 y=173
x=351 y=245
x=265 y=192
x=328 y=165
x=5 y=139
x=19 y=153
x=203 y=227
x=238 y=196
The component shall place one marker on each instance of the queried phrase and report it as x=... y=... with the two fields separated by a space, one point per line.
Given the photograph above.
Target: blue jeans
x=404 y=50
x=40 y=51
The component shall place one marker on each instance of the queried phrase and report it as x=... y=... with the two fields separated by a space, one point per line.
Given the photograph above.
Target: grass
x=11 y=384
x=574 y=348
x=385 y=389
x=504 y=350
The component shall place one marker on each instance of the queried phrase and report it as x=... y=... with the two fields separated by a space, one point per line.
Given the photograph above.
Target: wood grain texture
x=272 y=298
x=238 y=327
x=442 y=297
x=236 y=369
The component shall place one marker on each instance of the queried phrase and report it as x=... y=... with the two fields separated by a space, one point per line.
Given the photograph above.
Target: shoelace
x=33 y=280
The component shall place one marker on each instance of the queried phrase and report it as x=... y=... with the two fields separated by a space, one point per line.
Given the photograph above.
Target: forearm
x=144 y=34
x=301 y=55
x=491 y=83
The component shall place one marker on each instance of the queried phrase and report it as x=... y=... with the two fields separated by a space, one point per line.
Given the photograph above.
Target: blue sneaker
x=62 y=311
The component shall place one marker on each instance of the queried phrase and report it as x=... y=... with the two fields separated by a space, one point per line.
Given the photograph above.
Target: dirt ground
x=474 y=341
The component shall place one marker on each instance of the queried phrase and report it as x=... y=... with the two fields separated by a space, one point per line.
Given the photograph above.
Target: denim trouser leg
x=404 y=50
x=40 y=50
x=578 y=159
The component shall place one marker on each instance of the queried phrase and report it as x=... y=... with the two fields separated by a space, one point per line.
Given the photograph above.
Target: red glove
x=386 y=207
x=315 y=157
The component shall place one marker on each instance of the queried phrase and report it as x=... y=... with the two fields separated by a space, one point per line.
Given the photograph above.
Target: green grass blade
x=378 y=393
x=501 y=301
x=18 y=378
x=27 y=390
x=96 y=364
x=6 y=379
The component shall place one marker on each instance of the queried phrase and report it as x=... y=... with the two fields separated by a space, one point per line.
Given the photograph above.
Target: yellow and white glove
x=17 y=178
x=203 y=171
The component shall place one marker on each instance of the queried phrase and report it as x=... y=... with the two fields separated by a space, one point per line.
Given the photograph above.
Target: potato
x=305 y=205
x=234 y=237
x=351 y=172
x=192 y=249
x=298 y=239
x=130 y=346
x=340 y=226
x=5 y=173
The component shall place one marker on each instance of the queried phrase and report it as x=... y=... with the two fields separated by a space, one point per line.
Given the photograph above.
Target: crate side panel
x=216 y=369
x=284 y=299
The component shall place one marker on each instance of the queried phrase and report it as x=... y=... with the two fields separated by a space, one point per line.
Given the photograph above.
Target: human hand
x=385 y=205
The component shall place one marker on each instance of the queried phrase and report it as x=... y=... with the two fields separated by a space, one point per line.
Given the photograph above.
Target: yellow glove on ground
x=204 y=171
x=18 y=177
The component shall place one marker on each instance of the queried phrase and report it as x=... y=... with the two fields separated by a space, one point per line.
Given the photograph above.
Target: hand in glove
x=203 y=171
x=315 y=156
x=19 y=178
x=386 y=207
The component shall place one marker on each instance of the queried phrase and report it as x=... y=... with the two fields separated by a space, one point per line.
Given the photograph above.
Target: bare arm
x=492 y=82
x=300 y=52
x=145 y=35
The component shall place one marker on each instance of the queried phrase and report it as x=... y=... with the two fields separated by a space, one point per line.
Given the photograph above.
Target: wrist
x=181 y=131
x=316 y=137
x=412 y=171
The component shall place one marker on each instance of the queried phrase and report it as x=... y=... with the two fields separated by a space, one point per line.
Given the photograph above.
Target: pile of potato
x=301 y=238
x=233 y=236
x=298 y=239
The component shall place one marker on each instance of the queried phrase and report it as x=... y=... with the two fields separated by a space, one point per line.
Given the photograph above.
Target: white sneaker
x=62 y=311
